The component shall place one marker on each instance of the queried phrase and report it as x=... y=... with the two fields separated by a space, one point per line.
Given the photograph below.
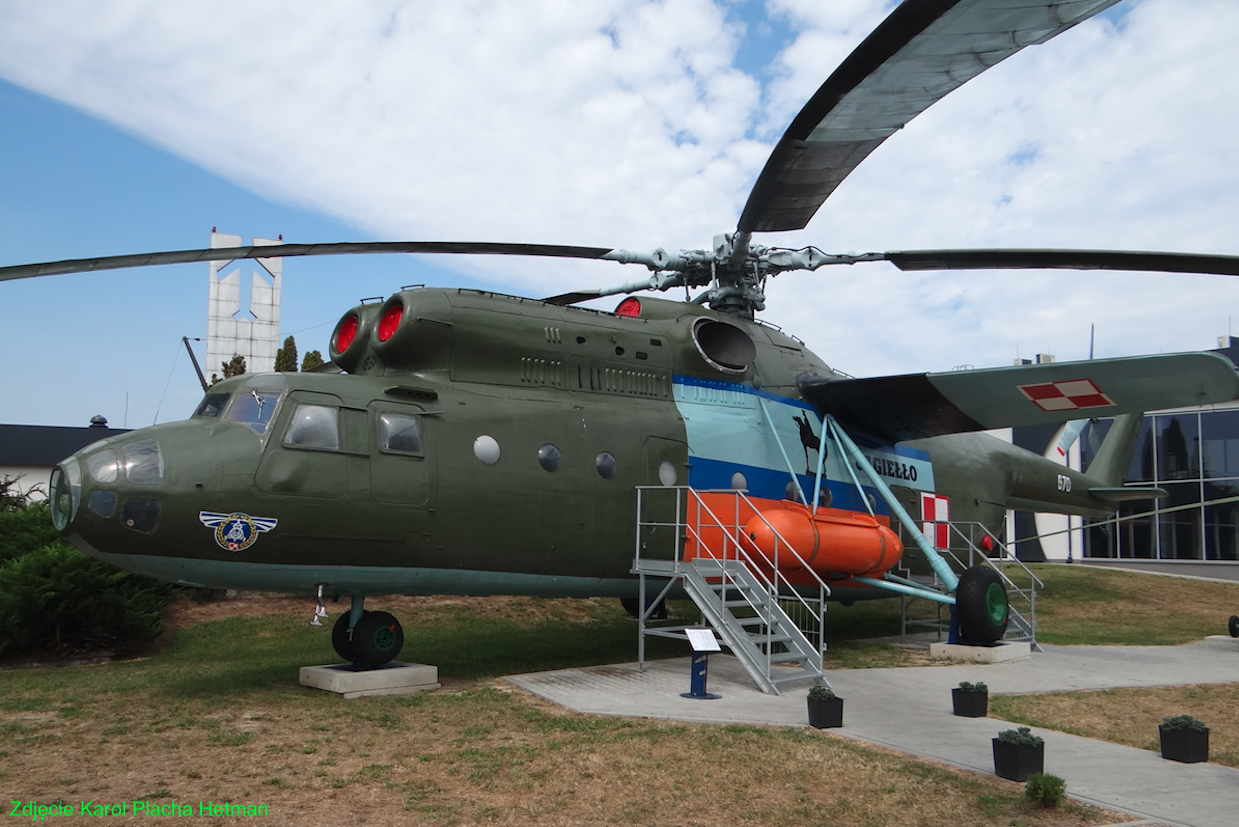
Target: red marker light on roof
x=629 y=307
x=390 y=321
x=348 y=332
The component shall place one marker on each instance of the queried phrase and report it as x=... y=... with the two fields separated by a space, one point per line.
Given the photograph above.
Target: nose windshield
x=66 y=488
x=254 y=408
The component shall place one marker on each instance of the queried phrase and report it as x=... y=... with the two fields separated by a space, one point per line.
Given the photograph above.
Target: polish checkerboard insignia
x=236 y=531
x=1069 y=395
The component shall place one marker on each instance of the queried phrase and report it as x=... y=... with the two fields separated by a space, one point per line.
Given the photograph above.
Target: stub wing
x=922 y=405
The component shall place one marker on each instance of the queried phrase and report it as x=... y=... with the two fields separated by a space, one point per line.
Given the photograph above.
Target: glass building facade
x=1193 y=455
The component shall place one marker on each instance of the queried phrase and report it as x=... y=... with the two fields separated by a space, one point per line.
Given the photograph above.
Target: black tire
x=633 y=607
x=377 y=639
x=1234 y=626
x=981 y=604
x=340 y=640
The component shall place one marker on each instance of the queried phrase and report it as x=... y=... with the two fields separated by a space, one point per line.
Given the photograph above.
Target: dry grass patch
x=1131 y=716
x=485 y=756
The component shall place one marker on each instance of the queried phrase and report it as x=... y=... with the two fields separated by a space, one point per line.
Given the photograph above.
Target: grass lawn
x=218 y=716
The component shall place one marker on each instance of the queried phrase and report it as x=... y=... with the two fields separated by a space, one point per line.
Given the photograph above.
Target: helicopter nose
x=105 y=479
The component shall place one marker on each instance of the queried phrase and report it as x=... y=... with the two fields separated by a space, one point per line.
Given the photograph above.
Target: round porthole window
x=791 y=492
x=738 y=482
x=667 y=474
x=549 y=457
x=486 y=449
x=606 y=465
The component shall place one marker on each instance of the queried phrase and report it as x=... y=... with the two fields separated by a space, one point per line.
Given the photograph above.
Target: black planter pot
x=1187 y=745
x=1016 y=762
x=825 y=712
x=970 y=704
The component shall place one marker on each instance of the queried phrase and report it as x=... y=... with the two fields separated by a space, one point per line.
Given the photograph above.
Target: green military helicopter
x=467 y=442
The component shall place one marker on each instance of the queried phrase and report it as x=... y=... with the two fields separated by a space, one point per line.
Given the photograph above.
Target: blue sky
x=136 y=125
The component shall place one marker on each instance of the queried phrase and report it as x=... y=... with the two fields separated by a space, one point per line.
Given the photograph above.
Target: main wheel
x=1234 y=626
x=377 y=638
x=981 y=603
x=633 y=606
x=340 y=640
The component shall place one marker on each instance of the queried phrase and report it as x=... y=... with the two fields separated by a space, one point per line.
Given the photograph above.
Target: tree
x=313 y=359
x=286 y=357
x=233 y=367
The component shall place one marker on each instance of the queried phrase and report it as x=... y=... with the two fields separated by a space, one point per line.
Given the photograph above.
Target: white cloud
x=618 y=122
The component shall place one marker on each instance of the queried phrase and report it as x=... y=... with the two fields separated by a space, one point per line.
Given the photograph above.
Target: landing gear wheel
x=377 y=638
x=340 y=640
x=633 y=606
x=981 y=603
x=1234 y=626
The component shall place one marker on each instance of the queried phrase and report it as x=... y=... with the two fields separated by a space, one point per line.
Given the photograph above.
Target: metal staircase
x=739 y=598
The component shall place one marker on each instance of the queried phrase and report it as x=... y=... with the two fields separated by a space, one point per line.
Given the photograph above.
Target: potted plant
x=1018 y=754
x=1184 y=738
x=825 y=708
x=970 y=700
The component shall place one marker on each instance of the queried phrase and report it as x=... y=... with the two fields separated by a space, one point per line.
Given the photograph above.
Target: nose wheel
x=376 y=639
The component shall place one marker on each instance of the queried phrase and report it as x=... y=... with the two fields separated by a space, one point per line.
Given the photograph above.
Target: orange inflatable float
x=834 y=543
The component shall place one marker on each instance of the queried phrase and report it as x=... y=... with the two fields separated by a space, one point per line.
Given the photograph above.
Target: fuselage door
x=307 y=452
x=401 y=460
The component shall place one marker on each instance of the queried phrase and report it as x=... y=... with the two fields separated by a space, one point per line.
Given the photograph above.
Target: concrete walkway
x=909 y=709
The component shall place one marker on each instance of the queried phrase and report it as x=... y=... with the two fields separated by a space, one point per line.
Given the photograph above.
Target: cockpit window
x=253 y=408
x=400 y=433
x=143 y=462
x=314 y=426
x=212 y=404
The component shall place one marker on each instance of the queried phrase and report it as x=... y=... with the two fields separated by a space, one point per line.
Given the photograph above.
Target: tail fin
x=1110 y=465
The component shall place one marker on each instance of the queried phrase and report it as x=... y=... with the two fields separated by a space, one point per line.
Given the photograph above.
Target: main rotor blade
x=1132 y=261
x=921 y=52
x=90 y=265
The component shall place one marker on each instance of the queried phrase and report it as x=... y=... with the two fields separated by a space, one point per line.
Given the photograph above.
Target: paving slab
x=909 y=709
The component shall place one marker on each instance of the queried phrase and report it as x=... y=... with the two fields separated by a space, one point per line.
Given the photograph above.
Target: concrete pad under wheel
x=395 y=678
x=998 y=653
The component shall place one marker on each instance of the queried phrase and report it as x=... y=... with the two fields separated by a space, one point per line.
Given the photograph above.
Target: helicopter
x=469 y=442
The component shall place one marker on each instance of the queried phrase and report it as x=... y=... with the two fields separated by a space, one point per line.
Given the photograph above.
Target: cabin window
x=400 y=433
x=212 y=404
x=549 y=457
x=606 y=465
x=254 y=409
x=314 y=426
x=143 y=462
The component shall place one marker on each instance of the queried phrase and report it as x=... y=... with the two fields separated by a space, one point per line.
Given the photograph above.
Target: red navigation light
x=630 y=306
x=390 y=321
x=348 y=332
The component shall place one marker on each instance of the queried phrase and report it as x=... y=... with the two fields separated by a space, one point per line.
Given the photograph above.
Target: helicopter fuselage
x=479 y=444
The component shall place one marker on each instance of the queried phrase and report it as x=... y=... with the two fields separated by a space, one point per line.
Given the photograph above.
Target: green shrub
x=979 y=686
x=1022 y=736
x=821 y=692
x=56 y=601
x=1174 y=722
x=1046 y=790
x=25 y=529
